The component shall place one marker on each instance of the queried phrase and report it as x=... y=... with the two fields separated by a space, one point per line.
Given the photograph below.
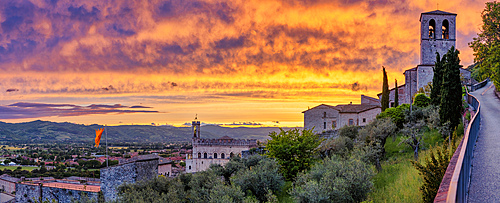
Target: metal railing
x=460 y=180
x=479 y=85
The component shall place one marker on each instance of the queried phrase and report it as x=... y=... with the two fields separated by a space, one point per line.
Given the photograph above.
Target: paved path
x=485 y=178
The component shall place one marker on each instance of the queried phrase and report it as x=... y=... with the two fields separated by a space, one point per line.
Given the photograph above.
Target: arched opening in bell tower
x=445 y=29
x=432 y=29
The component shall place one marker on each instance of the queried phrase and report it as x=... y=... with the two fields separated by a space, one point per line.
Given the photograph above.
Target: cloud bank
x=37 y=110
x=212 y=50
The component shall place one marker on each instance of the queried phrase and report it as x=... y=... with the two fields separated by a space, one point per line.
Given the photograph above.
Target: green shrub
x=421 y=100
x=432 y=172
x=259 y=179
x=397 y=114
x=349 y=131
x=334 y=180
x=339 y=146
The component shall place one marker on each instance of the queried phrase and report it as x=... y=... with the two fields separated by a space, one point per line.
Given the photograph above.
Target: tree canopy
x=437 y=81
x=293 y=150
x=451 y=90
x=486 y=45
x=385 y=91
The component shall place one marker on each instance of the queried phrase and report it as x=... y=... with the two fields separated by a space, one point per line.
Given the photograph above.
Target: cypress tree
x=451 y=90
x=385 y=91
x=437 y=80
x=396 y=95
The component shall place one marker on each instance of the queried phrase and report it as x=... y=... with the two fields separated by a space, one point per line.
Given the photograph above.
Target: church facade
x=214 y=151
x=437 y=35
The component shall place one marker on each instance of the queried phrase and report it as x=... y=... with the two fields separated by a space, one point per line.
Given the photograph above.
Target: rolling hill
x=50 y=132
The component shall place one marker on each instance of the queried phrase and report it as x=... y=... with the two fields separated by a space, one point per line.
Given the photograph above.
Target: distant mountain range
x=50 y=132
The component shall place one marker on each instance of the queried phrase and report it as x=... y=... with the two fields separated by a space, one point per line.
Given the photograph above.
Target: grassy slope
x=399 y=181
x=28 y=168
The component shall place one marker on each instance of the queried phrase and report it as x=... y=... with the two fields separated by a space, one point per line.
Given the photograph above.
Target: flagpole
x=106 y=146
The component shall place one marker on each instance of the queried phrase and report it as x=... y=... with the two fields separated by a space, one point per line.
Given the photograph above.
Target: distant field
x=118 y=147
x=7 y=147
x=28 y=168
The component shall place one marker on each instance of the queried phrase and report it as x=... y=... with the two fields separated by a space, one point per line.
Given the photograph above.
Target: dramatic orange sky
x=231 y=62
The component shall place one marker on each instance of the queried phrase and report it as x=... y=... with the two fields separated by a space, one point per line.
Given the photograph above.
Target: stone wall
x=315 y=118
x=359 y=119
x=7 y=186
x=146 y=169
x=369 y=100
x=369 y=116
x=410 y=85
x=28 y=193
x=165 y=169
x=425 y=75
x=114 y=176
x=344 y=119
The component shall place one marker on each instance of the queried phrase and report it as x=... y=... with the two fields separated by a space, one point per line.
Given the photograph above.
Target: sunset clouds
x=296 y=51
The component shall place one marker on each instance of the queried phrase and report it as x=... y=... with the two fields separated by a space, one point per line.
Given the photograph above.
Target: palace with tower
x=213 y=151
x=437 y=35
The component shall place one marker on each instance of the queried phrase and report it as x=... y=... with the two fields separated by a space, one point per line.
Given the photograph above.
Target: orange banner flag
x=98 y=134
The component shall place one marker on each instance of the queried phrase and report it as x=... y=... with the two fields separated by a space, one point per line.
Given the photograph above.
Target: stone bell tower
x=437 y=34
x=195 y=126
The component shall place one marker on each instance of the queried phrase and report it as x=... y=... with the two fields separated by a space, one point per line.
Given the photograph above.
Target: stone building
x=437 y=34
x=164 y=167
x=56 y=190
x=8 y=183
x=214 y=151
x=140 y=168
x=326 y=117
x=392 y=94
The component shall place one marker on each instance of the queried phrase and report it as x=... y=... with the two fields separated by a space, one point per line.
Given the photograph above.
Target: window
x=432 y=29
x=324 y=125
x=445 y=31
x=189 y=167
x=364 y=120
x=205 y=155
x=334 y=124
x=392 y=104
x=231 y=155
x=199 y=155
x=324 y=114
x=351 y=121
x=222 y=156
x=215 y=155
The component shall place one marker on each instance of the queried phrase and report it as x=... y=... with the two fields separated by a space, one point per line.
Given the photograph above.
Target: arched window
x=215 y=155
x=445 y=29
x=324 y=114
x=231 y=155
x=199 y=155
x=222 y=156
x=432 y=29
x=205 y=155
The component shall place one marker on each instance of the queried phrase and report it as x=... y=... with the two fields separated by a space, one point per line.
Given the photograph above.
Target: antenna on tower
x=196 y=117
x=437 y=6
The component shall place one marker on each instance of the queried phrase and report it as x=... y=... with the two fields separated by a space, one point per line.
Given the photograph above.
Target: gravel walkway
x=485 y=178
